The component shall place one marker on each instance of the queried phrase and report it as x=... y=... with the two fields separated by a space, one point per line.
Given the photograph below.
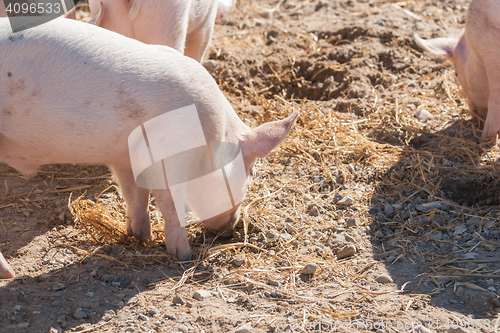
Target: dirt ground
x=383 y=186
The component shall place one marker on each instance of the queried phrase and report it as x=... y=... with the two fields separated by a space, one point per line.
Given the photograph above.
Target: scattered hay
x=383 y=155
x=103 y=223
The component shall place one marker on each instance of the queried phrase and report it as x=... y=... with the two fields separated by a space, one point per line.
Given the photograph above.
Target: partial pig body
x=122 y=83
x=186 y=25
x=476 y=58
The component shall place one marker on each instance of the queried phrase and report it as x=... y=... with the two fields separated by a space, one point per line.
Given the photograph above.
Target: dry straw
x=384 y=155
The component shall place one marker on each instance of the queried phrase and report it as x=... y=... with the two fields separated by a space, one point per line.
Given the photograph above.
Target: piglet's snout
x=223 y=224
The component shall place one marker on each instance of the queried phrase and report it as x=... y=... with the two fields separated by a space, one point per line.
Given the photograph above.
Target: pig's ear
x=259 y=141
x=71 y=14
x=134 y=10
x=440 y=46
x=97 y=20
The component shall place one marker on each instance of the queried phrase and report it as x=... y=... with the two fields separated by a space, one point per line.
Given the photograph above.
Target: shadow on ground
x=435 y=220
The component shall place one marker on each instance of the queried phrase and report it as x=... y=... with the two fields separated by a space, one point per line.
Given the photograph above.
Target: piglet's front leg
x=136 y=198
x=176 y=239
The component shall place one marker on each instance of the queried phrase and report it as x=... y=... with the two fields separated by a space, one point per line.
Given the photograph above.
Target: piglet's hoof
x=177 y=244
x=141 y=234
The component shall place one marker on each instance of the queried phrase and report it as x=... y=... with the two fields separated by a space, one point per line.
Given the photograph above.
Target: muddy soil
x=384 y=262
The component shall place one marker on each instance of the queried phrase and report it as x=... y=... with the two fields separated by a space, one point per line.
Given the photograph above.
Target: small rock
x=291 y=229
x=79 y=314
x=93 y=273
x=309 y=269
x=56 y=303
x=313 y=211
x=350 y=239
x=44 y=276
x=238 y=260
x=152 y=310
x=473 y=220
x=490 y=224
x=143 y=317
x=375 y=210
x=471 y=255
x=108 y=315
x=346 y=251
x=61 y=319
x=169 y=315
x=123 y=316
x=119 y=304
x=318 y=179
x=211 y=64
x=270 y=235
x=337 y=197
x=351 y=223
x=59 y=286
x=346 y=201
x=109 y=277
x=427 y=207
x=423 y=115
x=378 y=234
x=18 y=308
x=286 y=237
x=460 y=291
x=183 y=328
x=178 y=300
x=200 y=295
x=246 y=328
x=329 y=80
x=338 y=239
x=271 y=281
x=90 y=294
x=384 y=278
x=388 y=209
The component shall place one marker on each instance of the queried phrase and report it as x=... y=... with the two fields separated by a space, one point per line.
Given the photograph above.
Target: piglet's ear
x=71 y=14
x=134 y=10
x=97 y=20
x=259 y=142
x=439 y=46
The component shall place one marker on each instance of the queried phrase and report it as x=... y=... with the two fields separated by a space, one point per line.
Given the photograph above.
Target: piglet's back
x=74 y=83
x=90 y=52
